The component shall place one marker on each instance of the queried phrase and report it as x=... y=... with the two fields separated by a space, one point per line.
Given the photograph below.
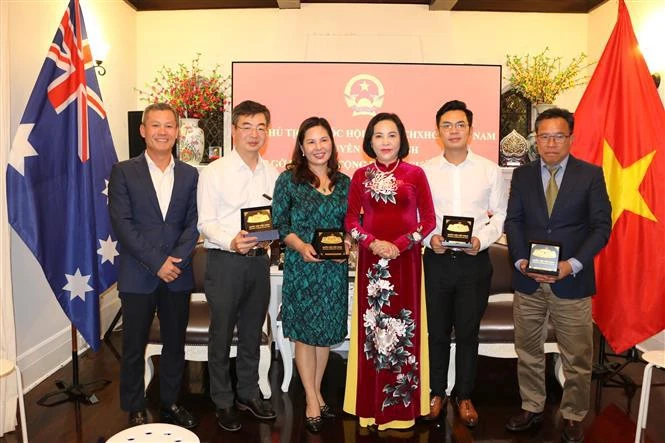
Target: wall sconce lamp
x=656 y=79
x=101 y=70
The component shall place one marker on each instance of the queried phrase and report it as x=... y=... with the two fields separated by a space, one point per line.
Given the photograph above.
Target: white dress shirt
x=469 y=189
x=225 y=187
x=162 y=181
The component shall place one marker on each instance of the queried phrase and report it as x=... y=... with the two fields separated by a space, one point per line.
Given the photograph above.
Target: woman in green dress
x=312 y=194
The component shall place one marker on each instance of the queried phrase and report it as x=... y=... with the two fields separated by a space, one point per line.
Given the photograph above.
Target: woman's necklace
x=324 y=187
x=376 y=165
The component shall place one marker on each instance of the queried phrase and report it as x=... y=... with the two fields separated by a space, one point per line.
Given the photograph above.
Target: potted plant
x=194 y=95
x=541 y=78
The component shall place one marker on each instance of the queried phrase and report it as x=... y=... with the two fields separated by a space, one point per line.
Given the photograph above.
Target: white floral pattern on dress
x=388 y=339
x=382 y=186
x=357 y=235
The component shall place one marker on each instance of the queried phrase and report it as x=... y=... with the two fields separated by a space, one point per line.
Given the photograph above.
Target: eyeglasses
x=557 y=138
x=249 y=128
x=447 y=126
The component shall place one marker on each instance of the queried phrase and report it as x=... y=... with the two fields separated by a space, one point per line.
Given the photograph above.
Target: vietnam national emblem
x=364 y=94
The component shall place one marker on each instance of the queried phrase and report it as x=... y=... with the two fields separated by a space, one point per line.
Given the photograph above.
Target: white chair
x=196 y=343
x=196 y=335
x=285 y=346
x=6 y=368
x=499 y=310
x=654 y=359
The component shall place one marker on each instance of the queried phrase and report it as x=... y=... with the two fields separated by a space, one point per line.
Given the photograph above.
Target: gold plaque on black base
x=329 y=244
x=258 y=223
x=457 y=231
x=544 y=257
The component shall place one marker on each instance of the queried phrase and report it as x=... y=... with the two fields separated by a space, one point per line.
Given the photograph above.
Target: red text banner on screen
x=350 y=94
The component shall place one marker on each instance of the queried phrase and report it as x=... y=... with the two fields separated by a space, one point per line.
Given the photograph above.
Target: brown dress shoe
x=467 y=413
x=572 y=432
x=436 y=405
x=523 y=421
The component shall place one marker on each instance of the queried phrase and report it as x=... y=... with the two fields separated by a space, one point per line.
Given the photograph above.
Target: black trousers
x=238 y=292
x=457 y=289
x=138 y=311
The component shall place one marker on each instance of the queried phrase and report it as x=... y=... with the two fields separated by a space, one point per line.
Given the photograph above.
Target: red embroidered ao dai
x=387 y=380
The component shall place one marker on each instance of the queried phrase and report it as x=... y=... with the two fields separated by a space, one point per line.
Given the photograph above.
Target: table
x=155 y=433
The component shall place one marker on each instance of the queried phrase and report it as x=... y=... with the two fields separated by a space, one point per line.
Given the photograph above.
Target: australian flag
x=57 y=177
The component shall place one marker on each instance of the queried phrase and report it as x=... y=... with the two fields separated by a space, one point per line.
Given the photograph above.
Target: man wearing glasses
x=237 y=282
x=560 y=199
x=457 y=281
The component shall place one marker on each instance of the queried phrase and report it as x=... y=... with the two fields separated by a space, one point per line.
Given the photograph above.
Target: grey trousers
x=238 y=292
x=574 y=334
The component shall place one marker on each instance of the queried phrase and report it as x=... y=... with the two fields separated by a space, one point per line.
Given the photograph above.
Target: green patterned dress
x=314 y=295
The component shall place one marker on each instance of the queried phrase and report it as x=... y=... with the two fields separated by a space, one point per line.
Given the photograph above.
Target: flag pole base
x=78 y=393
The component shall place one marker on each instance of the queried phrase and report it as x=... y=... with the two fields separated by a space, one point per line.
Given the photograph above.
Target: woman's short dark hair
x=369 y=133
x=299 y=166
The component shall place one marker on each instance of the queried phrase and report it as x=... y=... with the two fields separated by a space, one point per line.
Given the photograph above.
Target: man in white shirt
x=152 y=203
x=237 y=283
x=457 y=281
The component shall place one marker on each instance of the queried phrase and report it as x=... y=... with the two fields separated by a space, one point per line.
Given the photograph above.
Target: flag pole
x=75 y=392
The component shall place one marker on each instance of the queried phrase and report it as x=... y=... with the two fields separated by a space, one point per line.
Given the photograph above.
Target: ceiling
x=571 y=6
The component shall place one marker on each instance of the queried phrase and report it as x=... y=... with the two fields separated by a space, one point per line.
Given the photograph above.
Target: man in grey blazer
x=152 y=202
x=558 y=199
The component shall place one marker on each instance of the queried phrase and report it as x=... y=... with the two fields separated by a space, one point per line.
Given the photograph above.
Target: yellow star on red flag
x=623 y=184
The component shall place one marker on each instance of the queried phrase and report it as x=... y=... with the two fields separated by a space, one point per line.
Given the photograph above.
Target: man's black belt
x=256 y=252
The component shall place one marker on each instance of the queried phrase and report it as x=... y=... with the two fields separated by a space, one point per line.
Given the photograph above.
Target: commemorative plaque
x=258 y=223
x=544 y=257
x=329 y=244
x=457 y=231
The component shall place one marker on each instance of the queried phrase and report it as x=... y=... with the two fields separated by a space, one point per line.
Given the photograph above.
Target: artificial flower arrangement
x=541 y=78
x=191 y=93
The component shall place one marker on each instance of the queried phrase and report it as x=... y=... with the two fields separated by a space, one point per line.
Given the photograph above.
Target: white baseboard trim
x=44 y=359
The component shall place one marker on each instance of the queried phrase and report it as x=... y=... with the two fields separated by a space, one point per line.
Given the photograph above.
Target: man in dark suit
x=560 y=199
x=152 y=202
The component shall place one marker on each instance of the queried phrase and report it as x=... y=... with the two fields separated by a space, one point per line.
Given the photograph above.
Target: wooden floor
x=612 y=418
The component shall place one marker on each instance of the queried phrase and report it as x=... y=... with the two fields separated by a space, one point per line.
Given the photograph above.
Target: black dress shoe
x=313 y=424
x=327 y=412
x=259 y=408
x=137 y=418
x=227 y=419
x=572 y=432
x=178 y=416
x=524 y=420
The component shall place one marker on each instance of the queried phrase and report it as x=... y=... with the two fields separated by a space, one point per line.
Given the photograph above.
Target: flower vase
x=190 y=141
x=538 y=109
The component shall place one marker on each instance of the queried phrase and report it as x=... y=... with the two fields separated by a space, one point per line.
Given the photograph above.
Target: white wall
x=140 y=43
x=333 y=32
x=42 y=329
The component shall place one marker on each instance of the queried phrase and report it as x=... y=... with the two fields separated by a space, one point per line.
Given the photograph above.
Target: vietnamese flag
x=620 y=125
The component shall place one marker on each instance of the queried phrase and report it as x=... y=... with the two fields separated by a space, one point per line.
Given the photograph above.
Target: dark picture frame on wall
x=136 y=142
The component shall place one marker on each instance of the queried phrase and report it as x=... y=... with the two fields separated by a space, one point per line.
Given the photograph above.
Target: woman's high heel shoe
x=327 y=412
x=313 y=424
